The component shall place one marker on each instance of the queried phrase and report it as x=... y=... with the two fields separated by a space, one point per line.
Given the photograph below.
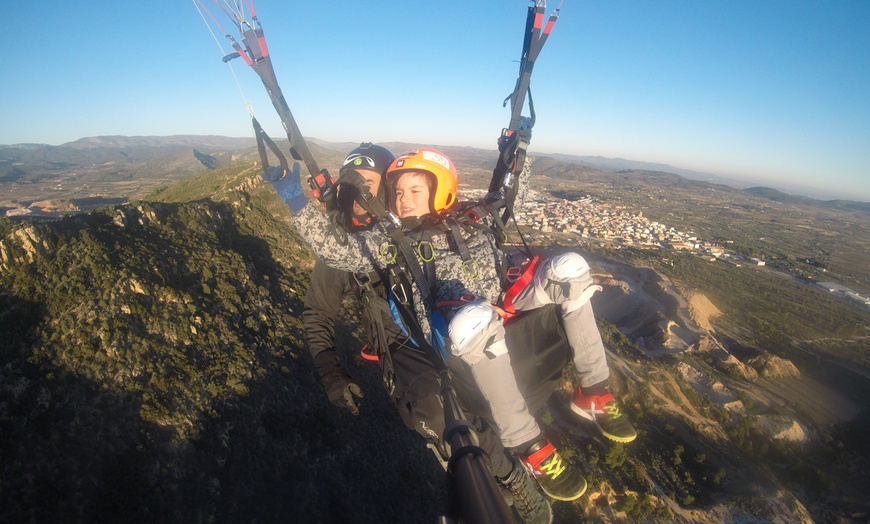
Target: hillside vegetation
x=152 y=369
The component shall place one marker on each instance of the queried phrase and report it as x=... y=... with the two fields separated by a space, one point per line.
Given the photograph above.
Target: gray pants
x=565 y=280
x=477 y=340
x=479 y=350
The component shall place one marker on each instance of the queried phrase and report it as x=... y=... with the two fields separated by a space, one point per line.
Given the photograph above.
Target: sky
x=769 y=92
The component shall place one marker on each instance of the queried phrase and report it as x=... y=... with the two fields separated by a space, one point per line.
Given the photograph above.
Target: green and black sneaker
x=529 y=503
x=557 y=478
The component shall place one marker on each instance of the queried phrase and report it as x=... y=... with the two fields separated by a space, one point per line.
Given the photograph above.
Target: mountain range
x=118 y=148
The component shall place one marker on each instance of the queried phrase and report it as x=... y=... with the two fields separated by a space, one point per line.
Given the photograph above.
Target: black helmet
x=368 y=156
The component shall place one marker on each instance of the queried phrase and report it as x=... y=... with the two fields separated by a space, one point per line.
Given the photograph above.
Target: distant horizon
x=733 y=180
x=774 y=93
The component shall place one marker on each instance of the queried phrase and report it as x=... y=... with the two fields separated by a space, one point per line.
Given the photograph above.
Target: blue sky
x=771 y=92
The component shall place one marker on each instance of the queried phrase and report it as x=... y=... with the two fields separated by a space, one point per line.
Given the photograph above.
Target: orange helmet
x=434 y=163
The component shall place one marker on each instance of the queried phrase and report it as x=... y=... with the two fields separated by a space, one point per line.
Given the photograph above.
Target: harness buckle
x=361 y=279
x=389 y=252
x=476 y=269
x=394 y=219
x=420 y=246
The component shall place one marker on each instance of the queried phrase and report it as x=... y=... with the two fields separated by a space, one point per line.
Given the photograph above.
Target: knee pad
x=476 y=328
x=572 y=274
x=567 y=266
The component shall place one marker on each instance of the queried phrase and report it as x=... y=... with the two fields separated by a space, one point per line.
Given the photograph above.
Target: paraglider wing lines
x=254 y=51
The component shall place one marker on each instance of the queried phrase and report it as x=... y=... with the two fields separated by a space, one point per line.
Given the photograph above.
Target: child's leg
x=477 y=339
x=566 y=280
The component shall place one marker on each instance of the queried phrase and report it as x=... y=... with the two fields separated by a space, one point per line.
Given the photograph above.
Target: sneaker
x=604 y=413
x=557 y=478
x=529 y=503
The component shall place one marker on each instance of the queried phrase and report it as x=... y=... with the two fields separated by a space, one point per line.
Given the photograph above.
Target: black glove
x=339 y=386
x=353 y=178
x=351 y=186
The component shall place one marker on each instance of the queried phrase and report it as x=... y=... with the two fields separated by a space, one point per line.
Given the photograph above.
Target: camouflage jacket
x=363 y=252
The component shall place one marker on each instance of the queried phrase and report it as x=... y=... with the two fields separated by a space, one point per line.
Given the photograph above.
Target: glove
x=340 y=388
x=351 y=177
x=288 y=185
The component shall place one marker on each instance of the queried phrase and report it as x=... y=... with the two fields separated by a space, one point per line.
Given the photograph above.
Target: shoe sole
x=591 y=418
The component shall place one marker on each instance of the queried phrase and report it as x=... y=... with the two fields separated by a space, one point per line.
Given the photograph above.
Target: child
x=565 y=280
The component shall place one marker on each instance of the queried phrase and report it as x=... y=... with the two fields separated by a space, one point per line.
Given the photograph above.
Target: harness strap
x=264 y=141
x=455 y=238
x=421 y=281
x=409 y=322
x=515 y=138
x=426 y=253
x=534 y=39
x=377 y=307
x=525 y=277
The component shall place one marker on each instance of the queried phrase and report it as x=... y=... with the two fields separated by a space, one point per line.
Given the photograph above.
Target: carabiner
x=389 y=252
x=404 y=297
x=476 y=274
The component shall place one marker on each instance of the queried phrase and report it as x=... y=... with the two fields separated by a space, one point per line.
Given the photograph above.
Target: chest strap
x=526 y=276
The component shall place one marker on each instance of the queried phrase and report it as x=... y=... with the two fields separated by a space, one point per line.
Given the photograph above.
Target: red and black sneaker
x=604 y=413
x=558 y=479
